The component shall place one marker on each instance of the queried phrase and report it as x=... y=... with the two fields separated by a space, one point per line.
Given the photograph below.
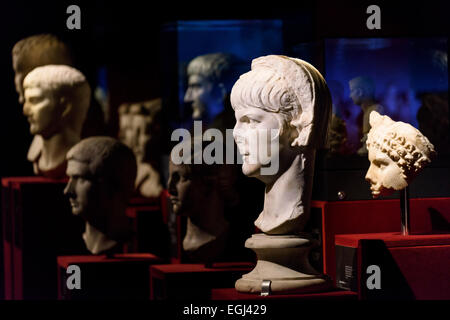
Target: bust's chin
x=251 y=170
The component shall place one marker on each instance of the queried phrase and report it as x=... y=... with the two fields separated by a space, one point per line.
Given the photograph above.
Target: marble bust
x=362 y=92
x=35 y=51
x=288 y=96
x=201 y=192
x=140 y=130
x=57 y=99
x=397 y=154
x=210 y=79
x=101 y=173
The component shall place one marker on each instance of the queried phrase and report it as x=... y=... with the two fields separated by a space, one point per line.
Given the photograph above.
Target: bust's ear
x=222 y=89
x=66 y=106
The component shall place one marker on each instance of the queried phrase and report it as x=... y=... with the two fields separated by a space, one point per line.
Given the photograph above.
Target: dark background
x=125 y=38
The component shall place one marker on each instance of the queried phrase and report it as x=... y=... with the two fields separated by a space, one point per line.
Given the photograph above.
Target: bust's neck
x=205 y=227
x=286 y=201
x=96 y=241
x=48 y=154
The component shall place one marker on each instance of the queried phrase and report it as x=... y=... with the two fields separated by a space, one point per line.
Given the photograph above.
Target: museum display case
x=138 y=149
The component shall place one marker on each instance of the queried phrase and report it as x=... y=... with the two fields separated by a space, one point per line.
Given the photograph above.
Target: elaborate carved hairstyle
x=39 y=50
x=109 y=160
x=403 y=143
x=64 y=82
x=292 y=88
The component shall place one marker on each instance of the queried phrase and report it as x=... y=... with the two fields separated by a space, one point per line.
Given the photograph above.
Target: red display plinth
x=193 y=281
x=38 y=225
x=149 y=217
x=330 y=218
x=232 y=294
x=121 y=276
x=393 y=266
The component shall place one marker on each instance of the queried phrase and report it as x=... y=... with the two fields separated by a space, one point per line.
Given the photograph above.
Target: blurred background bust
x=362 y=92
x=35 y=51
x=210 y=79
x=47 y=49
x=206 y=194
x=101 y=171
x=140 y=130
x=56 y=102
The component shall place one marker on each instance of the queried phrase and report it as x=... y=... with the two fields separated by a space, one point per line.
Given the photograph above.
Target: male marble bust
x=210 y=78
x=101 y=173
x=57 y=99
x=397 y=153
x=203 y=193
x=287 y=96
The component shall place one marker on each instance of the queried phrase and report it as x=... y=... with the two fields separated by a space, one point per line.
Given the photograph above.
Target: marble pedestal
x=282 y=259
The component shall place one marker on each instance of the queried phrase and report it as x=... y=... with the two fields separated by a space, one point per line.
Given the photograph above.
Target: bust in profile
x=101 y=173
x=57 y=99
x=210 y=78
x=397 y=153
x=205 y=194
x=288 y=96
x=35 y=51
x=140 y=130
x=362 y=92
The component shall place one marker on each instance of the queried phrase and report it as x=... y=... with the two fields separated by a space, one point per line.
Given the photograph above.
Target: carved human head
x=361 y=88
x=35 y=51
x=57 y=98
x=140 y=126
x=101 y=171
x=397 y=154
x=285 y=94
x=191 y=184
x=210 y=77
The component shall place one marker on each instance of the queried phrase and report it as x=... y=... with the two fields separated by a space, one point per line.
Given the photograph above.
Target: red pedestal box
x=38 y=225
x=232 y=294
x=122 y=276
x=149 y=219
x=391 y=266
x=193 y=281
x=373 y=216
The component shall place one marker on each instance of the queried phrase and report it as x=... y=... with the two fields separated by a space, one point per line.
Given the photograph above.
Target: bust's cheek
x=393 y=179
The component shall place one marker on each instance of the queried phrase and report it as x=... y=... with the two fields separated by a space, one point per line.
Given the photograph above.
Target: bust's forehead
x=34 y=91
x=77 y=168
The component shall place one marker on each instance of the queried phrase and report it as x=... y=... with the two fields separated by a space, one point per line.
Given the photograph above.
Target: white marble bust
x=290 y=98
x=57 y=99
x=288 y=95
x=397 y=154
x=101 y=173
x=140 y=130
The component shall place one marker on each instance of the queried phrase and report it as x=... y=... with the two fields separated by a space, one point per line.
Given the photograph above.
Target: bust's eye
x=380 y=163
x=34 y=100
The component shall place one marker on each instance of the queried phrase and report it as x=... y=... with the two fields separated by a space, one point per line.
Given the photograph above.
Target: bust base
x=284 y=261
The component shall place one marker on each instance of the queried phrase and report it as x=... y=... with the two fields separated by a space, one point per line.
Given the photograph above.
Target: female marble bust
x=288 y=96
x=289 y=99
x=397 y=154
x=57 y=99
